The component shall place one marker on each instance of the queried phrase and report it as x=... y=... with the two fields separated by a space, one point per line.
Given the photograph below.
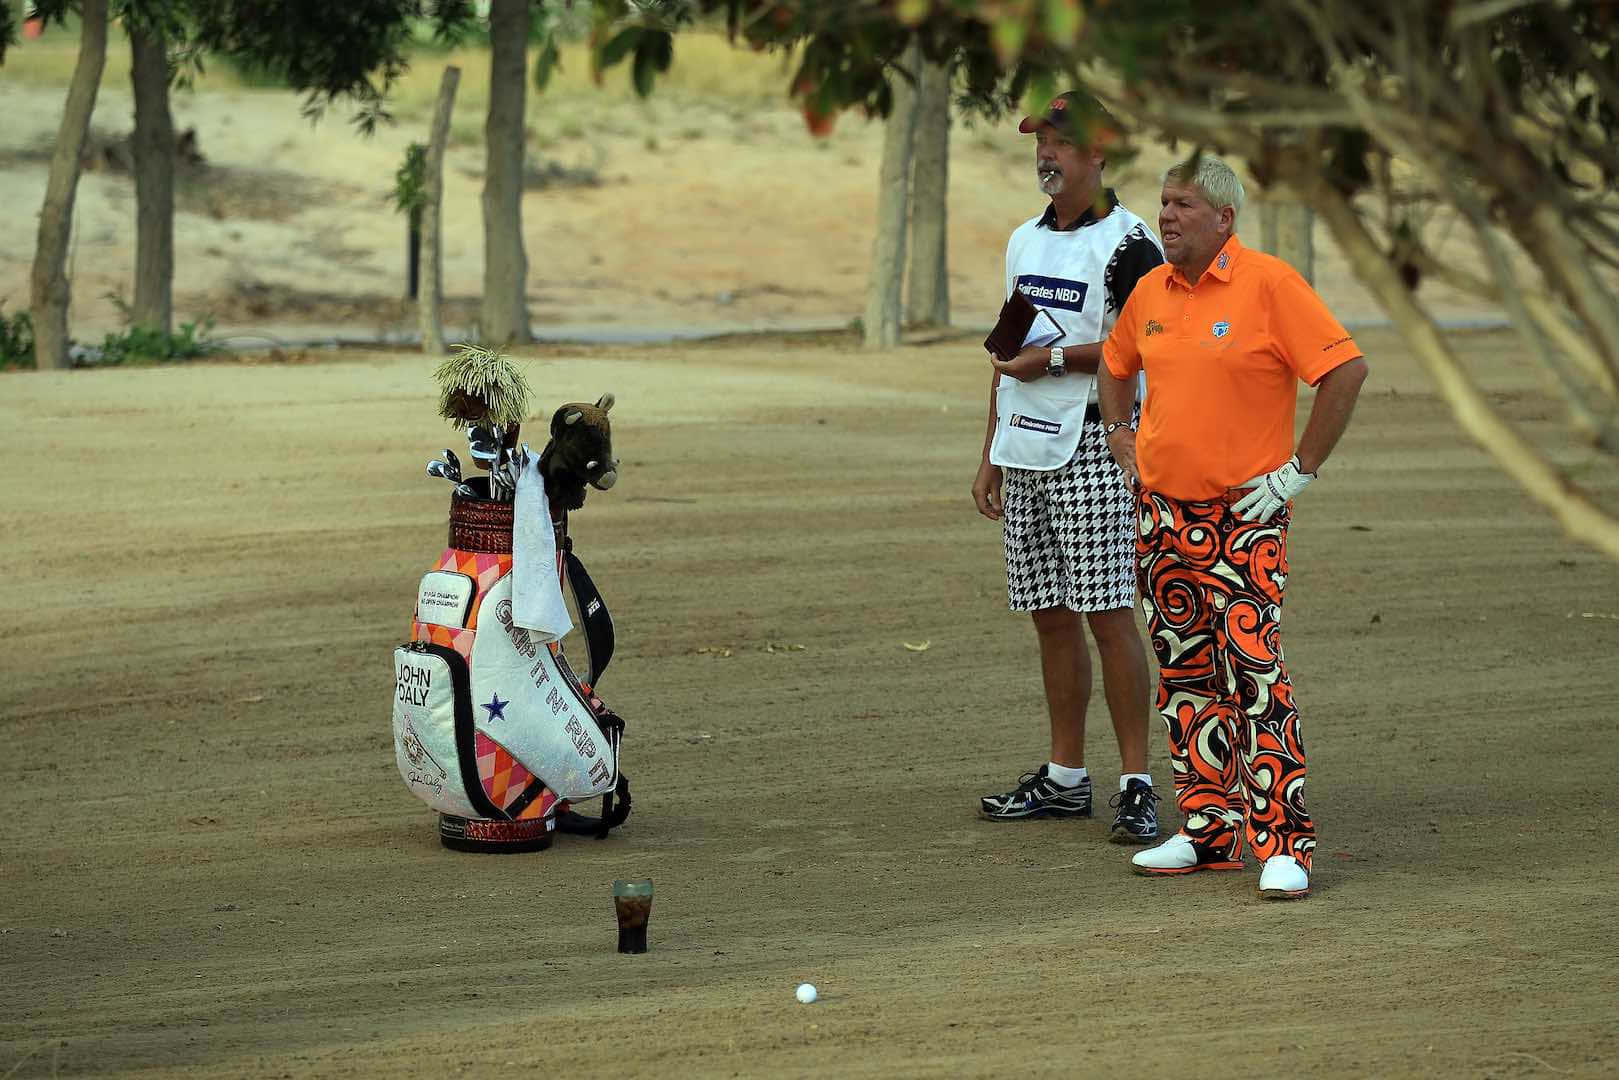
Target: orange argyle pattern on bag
x=1211 y=588
x=448 y=636
x=484 y=570
x=504 y=778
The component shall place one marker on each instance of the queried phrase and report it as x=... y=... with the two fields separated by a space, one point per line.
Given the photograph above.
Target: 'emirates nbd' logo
x=1032 y=423
x=1053 y=292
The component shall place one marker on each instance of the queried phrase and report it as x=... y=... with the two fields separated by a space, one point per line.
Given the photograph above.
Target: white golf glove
x=1272 y=491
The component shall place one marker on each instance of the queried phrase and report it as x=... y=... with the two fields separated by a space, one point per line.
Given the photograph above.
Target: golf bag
x=492 y=726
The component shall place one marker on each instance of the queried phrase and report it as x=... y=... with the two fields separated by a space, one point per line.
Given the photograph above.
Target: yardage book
x=1012 y=327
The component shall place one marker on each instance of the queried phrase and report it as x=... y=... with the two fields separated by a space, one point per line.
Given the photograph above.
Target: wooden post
x=413 y=254
x=1285 y=230
x=431 y=263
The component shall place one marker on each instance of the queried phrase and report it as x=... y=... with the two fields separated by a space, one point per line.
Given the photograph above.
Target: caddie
x=1224 y=334
x=1069 y=520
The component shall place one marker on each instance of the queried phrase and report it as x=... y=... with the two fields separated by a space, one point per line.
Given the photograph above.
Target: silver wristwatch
x=1055 y=369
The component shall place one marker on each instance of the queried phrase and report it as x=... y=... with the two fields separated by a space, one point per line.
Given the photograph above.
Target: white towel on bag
x=537 y=603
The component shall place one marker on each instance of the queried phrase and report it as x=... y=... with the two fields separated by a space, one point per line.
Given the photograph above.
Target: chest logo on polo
x=1053 y=292
x=1220 y=329
x=1031 y=423
x=1154 y=327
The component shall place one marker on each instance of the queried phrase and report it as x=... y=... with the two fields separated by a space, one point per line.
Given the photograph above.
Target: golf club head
x=440 y=469
x=453 y=461
x=484 y=443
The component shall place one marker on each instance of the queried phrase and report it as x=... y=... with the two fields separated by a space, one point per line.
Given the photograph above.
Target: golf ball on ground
x=805 y=993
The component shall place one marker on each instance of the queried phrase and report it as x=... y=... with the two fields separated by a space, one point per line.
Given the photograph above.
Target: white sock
x=1063 y=776
x=1124 y=781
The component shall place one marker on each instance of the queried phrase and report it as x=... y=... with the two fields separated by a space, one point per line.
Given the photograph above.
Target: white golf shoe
x=1180 y=855
x=1283 y=879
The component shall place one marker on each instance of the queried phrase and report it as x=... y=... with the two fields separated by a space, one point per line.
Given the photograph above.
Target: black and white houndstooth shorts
x=1070 y=533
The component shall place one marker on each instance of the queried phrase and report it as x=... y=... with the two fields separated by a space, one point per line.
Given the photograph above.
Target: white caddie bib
x=1065 y=273
x=1037 y=424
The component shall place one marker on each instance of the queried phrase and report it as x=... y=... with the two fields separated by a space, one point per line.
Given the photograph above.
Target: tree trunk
x=928 y=299
x=153 y=145
x=431 y=259
x=1286 y=232
x=50 y=291
x=883 y=313
x=505 y=267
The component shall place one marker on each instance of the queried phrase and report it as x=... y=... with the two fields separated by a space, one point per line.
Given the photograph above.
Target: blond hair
x=1213 y=177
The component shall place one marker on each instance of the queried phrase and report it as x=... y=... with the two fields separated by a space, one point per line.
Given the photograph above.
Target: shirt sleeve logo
x=1221 y=329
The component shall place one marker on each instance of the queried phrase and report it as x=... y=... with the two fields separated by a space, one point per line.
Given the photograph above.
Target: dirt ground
x=212 y=868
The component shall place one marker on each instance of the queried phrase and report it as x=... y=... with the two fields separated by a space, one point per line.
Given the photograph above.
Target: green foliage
x=256 y=73
x=410 y=182
x=354 y=50
x=8 y=28
x=627 y=42
x=16 y=340
x=1271 y=79
x=146 y=345
x=643 y=34
x=551 y=22
x=547 y=61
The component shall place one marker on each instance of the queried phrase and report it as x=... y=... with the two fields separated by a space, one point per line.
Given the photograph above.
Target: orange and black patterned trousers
x=1211 y=588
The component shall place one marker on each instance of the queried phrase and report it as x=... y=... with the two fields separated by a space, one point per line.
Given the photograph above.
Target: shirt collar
x=1220 y=269
x=1109 y=200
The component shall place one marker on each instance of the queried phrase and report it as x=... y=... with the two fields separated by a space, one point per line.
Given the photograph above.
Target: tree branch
x=1579 y=516
x=1546 y=312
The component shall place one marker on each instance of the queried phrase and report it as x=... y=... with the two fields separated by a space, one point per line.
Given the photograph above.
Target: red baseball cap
x=1074 y=114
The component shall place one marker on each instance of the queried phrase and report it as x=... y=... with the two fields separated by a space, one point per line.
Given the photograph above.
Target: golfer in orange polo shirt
x=1224 y=335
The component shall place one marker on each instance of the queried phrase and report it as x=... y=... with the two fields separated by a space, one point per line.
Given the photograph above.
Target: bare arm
x=987 y=484
x=1030 y=363
x=994 y=414
x=1116 y=399
x=1335 y=397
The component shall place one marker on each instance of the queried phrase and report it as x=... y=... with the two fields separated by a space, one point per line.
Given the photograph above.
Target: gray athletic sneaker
x=1038 y=796
x=1136 y=821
